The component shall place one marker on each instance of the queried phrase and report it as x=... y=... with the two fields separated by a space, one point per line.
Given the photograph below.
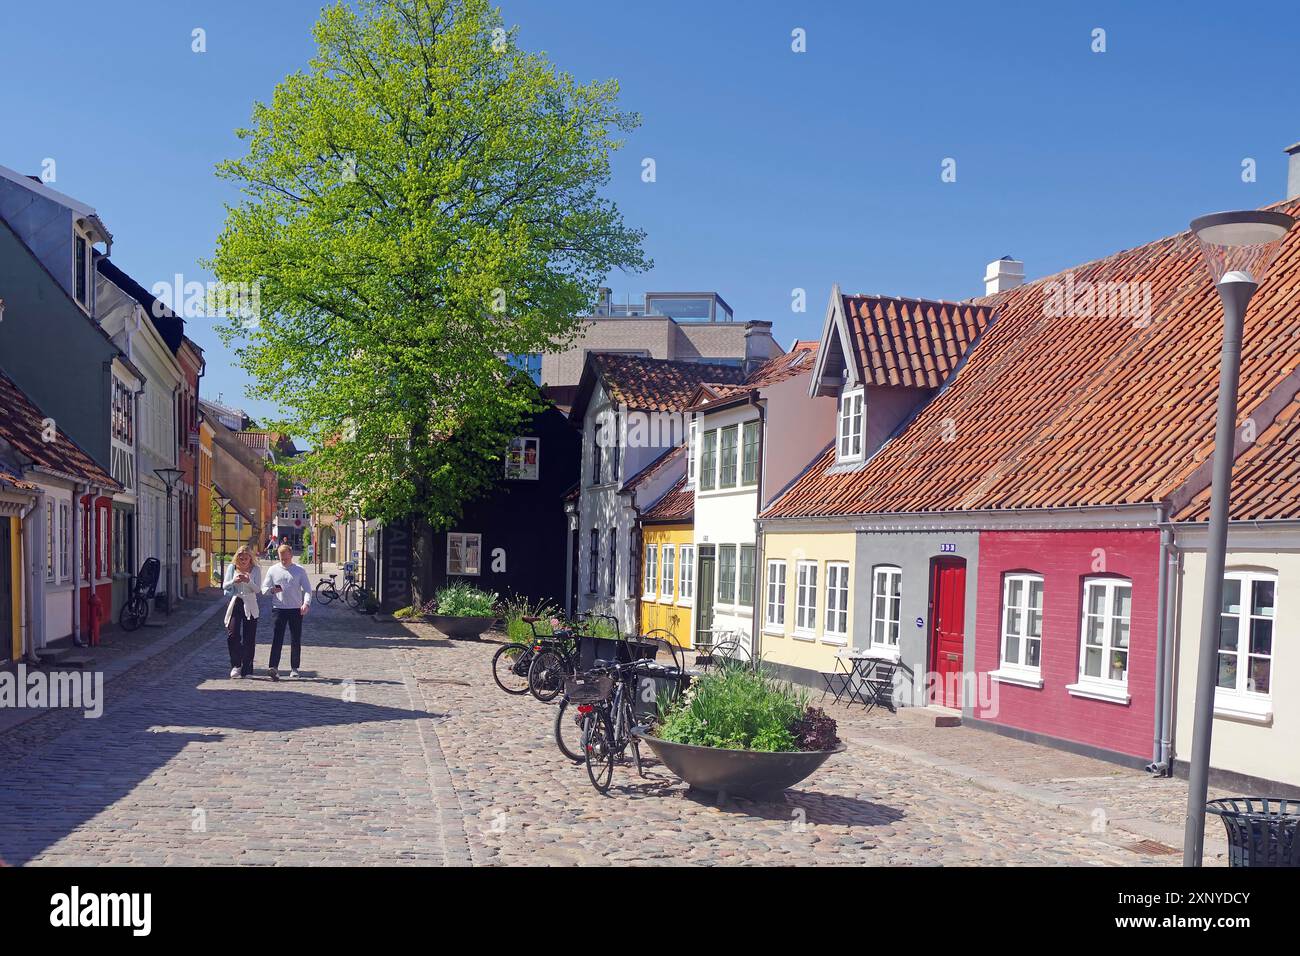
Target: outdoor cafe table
x=857 y=668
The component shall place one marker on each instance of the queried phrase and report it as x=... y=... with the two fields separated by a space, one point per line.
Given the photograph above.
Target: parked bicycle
x=327 y=592
x=604 y=699
x=135 y=610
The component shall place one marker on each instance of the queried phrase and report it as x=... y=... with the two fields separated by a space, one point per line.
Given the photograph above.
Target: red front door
x=947 y=628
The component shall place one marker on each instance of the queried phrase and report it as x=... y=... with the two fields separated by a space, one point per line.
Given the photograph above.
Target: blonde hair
x=243 y=549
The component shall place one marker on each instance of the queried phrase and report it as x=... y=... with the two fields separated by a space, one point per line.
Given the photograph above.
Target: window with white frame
x=709 y=460
x=65 y=538
x=464 y=552
x=686 y=591
x=775 y=614
x=748 y=556
x=651 y=587
x=837 y=600
x=1246 y=633
x=1104 y=654
x=749 y=453
x=727 y=447
x=691 y=438
x=1022 y=621
x=805 y=598
x=850 y=425
x=51 y=535
x=886 y=606
x=667 y=582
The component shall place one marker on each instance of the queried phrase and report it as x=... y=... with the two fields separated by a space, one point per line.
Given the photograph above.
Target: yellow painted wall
x=668 y=613
x=813 y=652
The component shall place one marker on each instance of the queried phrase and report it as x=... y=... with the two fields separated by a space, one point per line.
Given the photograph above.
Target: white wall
x=1263 y=746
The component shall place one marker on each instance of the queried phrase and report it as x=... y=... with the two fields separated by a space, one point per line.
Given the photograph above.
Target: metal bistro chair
x=877 y=687
x=839 y=681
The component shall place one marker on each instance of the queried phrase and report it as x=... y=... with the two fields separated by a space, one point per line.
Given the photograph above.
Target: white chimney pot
x=1002 y=274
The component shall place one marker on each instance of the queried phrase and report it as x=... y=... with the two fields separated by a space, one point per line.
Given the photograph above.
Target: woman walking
x=243 y=581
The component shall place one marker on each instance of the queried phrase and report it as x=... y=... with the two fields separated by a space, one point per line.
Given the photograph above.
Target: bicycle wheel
x=627 y=720
x=568 y=731
x=131 y=616
x=546 y=676
x=598 y=746
x=510 y=667
x=352 y=597
x=325 y=592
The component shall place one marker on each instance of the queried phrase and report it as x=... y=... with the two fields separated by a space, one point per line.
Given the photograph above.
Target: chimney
x=1002 y=274
x=1293 y=171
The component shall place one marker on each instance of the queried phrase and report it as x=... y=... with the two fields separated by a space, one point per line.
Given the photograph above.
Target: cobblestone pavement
x=189 y=767
x=524 y=803
x=396 y=747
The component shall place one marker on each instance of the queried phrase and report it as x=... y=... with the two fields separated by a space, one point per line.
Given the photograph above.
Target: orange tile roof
x=911 y=342
x=1059 y=411
x=22 y=426
x=651 y=385
x=1265 y=477
x=665 y=461
x=677 y=504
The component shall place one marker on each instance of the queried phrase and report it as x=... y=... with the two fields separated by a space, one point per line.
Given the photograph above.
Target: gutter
x=756 y=649
x=1159 y=765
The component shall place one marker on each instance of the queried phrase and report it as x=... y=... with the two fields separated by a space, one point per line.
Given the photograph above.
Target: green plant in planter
x=736 y=708
x=517 y=629
x=462 y=600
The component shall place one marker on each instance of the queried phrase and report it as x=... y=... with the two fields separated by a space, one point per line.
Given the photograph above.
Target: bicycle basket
x=588 y=690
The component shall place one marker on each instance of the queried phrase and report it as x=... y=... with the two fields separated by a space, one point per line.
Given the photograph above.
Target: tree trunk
x=422 y=561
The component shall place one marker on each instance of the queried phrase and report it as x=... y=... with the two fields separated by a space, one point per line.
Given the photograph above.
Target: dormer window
x=81 y=265
x=850 y=425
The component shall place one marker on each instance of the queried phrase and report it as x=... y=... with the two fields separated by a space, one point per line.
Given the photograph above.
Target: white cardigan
x=247 y=590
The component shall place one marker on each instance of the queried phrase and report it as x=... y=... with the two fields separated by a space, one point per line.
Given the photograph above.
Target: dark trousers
x=241 y=639
x=293 y=619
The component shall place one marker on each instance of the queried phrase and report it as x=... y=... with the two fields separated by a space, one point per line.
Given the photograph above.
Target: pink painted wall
x=1064 y=559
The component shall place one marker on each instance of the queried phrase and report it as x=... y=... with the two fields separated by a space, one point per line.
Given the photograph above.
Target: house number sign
x=948 y=548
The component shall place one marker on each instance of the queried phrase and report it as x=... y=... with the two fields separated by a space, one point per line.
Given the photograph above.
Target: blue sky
x=776 y=170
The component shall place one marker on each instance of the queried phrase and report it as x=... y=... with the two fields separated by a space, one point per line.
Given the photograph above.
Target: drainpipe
x=756 y=612
x=1171 y=617
x=26 y=605
x=1162 y=642
x=36 y=581
x=76 y=565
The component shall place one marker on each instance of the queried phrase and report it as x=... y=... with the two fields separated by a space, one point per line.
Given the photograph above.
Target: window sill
x=836 y=640
x=809 y=636
x=773 y=632
x=685 y=602
x=1018 y=677
x=1114 y=694
x=879 y=653
x=1246 y=709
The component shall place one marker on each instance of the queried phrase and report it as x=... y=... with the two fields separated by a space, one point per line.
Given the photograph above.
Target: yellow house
x=668 y=565
x=805 y=611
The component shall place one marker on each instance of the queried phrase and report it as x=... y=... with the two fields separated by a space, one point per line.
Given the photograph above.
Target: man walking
x=290 y=591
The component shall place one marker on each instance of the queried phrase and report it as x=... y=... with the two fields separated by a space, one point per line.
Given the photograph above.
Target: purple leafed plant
x=815 y=731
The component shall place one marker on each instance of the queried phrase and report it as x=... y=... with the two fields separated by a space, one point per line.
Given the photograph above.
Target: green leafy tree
x=419 y=202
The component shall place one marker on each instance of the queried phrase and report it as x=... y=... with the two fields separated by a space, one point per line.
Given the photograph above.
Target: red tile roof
x=1073 y=410
x=796 y=362
x=911 y=342
x=22 y=425
x=677 y=504
x=661 y=464
x=650 y=385
x=1265 y=477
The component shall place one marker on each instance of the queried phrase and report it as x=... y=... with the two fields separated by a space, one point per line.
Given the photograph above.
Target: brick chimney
x=1002 y=274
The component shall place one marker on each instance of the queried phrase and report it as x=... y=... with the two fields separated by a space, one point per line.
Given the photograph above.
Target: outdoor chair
x=878 y=686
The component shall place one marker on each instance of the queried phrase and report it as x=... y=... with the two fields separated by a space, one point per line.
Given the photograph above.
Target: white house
x=633 y=413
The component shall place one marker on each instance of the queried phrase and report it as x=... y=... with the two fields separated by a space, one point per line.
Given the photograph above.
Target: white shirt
x=295 y=587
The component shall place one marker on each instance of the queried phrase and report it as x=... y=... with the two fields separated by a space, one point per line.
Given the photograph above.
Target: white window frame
x=805 y=600
x=692 y=435
x=850 y=425
x=650 y=585
x=774 y=601
x=65 y=541
x=51 y=539
x=686 y=576
x=884 y=573
x=1103 y=687
x=667 y=574
x=1242 y=697
x=1018 y=671
x=464 y=539
x=835 y=629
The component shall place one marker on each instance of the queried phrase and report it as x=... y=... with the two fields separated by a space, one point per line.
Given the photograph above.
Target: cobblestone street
x=396 y=747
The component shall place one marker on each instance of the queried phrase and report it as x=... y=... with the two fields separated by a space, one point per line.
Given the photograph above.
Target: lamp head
x=1240 y=246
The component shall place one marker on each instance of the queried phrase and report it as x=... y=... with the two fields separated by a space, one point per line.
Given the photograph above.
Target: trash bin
x=592 y=649
x=1261 y=830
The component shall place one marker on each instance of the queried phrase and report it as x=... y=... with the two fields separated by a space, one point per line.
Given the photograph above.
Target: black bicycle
x=135 y=610
x=554 y=660
x=327 y=592
x=605 y=702
x=510 y=667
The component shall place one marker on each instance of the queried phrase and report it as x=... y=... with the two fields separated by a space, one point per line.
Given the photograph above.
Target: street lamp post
x=224 y=502
x=1238 y=248
x=169 y=477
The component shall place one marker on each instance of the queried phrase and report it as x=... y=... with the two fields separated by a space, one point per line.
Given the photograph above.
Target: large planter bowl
x=755 y=774
x=461 y=628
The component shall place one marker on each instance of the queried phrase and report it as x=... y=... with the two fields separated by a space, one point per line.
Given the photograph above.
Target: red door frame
x=947 y=628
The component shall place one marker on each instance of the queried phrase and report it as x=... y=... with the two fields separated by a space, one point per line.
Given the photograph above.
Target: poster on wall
x=521 y=459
